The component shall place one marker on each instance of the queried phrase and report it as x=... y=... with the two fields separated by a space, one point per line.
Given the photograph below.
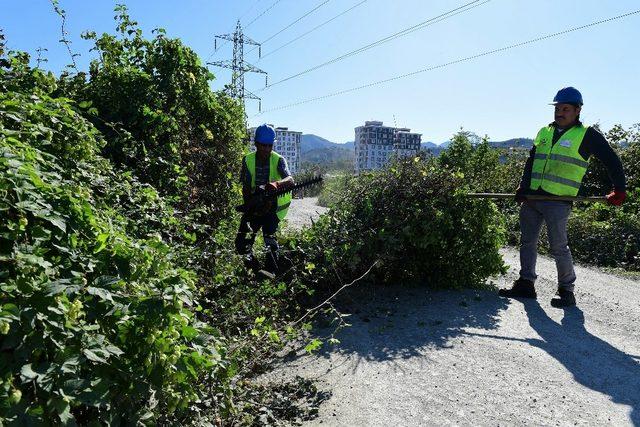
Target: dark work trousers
x=556 y=215
x=246 y=236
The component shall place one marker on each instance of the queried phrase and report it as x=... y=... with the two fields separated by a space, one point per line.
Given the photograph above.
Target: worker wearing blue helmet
x=268 y=169
x=556 y=166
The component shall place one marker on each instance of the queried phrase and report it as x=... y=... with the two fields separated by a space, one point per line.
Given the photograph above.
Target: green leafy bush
x=95 y=325
x=412 y=223
x=474 y=159
x=607 y=235
x=151 y=100
x=100 y=271
x=332 y=189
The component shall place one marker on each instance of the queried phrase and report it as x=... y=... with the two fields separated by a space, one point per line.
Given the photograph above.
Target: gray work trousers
x=555 y=215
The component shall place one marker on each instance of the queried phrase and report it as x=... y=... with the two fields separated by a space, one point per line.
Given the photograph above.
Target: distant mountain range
x=315 y=149
x=311 y=142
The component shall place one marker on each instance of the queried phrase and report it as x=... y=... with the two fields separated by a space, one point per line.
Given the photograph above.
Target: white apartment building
x=287 y=145
x=375 y=145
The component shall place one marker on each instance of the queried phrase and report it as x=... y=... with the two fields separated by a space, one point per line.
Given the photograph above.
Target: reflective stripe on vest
x=274 y=175
x=559 y=168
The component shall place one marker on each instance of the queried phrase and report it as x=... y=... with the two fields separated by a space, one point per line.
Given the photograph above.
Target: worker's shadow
x=592 y=361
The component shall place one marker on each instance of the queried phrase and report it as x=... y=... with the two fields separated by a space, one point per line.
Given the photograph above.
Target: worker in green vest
x=263 y=167
x=556 y=166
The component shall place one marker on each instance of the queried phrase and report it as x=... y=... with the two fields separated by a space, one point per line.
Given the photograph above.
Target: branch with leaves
x=65 y=40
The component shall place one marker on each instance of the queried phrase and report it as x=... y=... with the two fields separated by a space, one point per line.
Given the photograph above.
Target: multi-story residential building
x=407 y=143
x=287 y=145
x=375 y=144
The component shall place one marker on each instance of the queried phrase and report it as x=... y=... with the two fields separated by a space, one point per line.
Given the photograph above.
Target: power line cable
x=297 y=20
x=453 y=12
x=313 y=29
x=262 y=14
x=292 y=23
x=457 y=61
x=249 y=10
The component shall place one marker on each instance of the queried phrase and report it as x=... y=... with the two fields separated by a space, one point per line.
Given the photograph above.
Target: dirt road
x=415 y=357
x=303 y=211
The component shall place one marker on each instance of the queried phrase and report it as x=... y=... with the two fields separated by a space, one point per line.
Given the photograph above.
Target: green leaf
x=27 y=373
x=69 y=365
x=114 y=350
x=34 y=260
x=189 y=332
x=102 y=242
x=58 y=222
x=62 y=286
x=273 y=336
x=76 y=386
x=104 y=294
x=106 y=281
x=92 y=356
x=313 y=345
x=64 y=412
x=11 y=308
x=12 y=116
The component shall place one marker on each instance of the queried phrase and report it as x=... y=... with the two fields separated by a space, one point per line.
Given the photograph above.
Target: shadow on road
x=397 y=323
x=592 y=361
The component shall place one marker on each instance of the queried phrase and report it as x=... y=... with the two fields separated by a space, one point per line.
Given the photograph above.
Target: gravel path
x=303 y=211
x=415 y=357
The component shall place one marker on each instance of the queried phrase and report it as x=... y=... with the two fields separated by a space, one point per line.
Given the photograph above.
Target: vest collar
x=555 y=126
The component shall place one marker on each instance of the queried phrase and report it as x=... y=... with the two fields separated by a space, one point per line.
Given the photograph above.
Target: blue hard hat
x=265 y=134
x=568 y=95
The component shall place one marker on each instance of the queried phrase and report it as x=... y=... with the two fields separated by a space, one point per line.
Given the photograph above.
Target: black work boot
x=565 y=299
x=251 y=263
x=522 y=288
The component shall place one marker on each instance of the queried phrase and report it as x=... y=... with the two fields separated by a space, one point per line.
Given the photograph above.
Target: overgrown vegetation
x=97 y=318
x=409 y=223
x=122 y=299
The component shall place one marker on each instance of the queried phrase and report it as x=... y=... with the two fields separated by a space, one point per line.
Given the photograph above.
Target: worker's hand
x=272 y=187
x=616 y=197
x=520 y=197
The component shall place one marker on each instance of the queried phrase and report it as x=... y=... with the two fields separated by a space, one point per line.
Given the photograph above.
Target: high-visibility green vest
x=274 y=175
x=559 y=168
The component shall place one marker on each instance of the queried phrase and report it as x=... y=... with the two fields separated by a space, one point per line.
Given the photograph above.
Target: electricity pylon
x=238 y=65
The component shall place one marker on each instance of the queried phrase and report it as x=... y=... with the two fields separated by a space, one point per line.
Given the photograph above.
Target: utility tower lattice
x=238 y=66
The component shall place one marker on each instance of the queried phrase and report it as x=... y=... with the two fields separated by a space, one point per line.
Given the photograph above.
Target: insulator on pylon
x=215 y=44
x=259 y=51
x=266 y=80
x=259 y=106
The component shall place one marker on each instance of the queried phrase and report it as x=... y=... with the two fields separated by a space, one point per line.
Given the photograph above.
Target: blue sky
x=503 y=95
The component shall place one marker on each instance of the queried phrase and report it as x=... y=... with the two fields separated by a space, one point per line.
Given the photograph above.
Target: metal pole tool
x=592 y=199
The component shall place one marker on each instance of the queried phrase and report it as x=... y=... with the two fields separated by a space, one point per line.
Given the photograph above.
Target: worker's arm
x=286 y=181
x=595 y=144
